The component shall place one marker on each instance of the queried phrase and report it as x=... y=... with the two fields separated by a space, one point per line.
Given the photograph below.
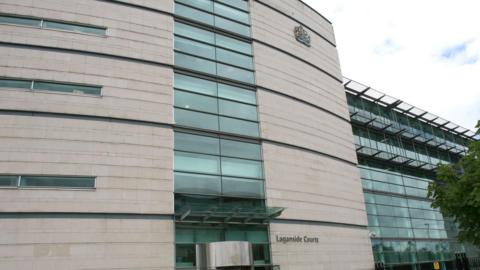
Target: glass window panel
x=231 y=13
x=185 y=255
x=20 y=21
x=239 y=126
x=8 y=180
x=235 y=73
x=241 y=168
x=208 y=235
x=237 y=93
x=257 y=235
x=235 y=234
x=233 y=44
x=197 y=163
x=69 y=88
x=232 y=26
x=195 y=85
x=238 y=110
x=197 y=184
x=234 y=58
x=193 y=14
x=7 y=83
x=240 y=149
x=241 y=4
x=193 y=47
x=242 y=187
x=75 y=28
x=195 y=63
x=57 y=181
x=201 y=4
x=196 y=143
x=196 y=102
x=196 y=119
x=194 y=33
x=184 y=236
x=261 y=254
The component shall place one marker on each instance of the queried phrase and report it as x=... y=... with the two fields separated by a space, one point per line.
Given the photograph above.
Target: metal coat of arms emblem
x=301 y=35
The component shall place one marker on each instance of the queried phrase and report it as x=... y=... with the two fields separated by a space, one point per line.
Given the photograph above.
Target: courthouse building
x=205 y=134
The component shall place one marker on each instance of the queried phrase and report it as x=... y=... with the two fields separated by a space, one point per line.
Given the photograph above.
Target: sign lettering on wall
x=297 y=239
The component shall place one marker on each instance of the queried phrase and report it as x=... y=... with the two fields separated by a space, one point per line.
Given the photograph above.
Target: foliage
x=457 y=193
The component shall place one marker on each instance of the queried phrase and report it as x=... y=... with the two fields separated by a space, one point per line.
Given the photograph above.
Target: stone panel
x=131 y=32
x=86 y=243
x=338 y=247
x=133 y=165
x=130 y=90
x=304 y=14
x=280 y=72
x=276 y=29
x=313 y=187
x=288 y=121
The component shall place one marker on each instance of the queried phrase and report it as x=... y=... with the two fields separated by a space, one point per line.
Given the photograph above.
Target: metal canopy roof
x=202 y=213
x=360 y=90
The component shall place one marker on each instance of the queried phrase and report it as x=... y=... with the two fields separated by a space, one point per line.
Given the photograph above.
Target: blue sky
x=426 y=52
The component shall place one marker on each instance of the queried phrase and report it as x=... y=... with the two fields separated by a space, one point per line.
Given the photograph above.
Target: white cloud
x=426 y=53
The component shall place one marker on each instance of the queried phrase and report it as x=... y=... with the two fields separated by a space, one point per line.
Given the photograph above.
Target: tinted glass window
x=194 y=47
x=195 y=85
x=242 y=168
x=56 y=181
x=196 y=143
x=7 y=83
x=8 y=180
x=195 y=63
x=193 y=14
x=233 y=44
x=196 y=102
x=236 y=93
x=200 y=163
x=75 y=28
x=231 y=13
x=196 y=119
x=20 y=21
x=194 y=33
x=69 y=88
x=235 y=73
x=197 y=184
x=240 y=149
x=232 y=26
x=238 y=110
x=234 y=58
x=239 y=126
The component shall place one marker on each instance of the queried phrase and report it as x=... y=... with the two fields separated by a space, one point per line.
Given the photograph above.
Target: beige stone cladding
x=286 y=120
x=338 y=247
x=86 y=243
x=313 y=187
x=132 y=164
x=304 y=14
x=130 y=90
x=131 y=32
x=276 y=29
x=283 y=73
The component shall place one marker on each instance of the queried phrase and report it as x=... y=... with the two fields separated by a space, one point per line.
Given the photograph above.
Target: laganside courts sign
x=296 y=239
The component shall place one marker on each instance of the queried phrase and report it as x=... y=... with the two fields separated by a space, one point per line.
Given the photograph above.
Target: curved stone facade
x=124 y=135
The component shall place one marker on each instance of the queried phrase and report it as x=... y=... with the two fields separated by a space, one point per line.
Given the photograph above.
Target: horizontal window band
x=220 y=195
x=214 y=114
x=220 y=156
x=46 y=23
x=216 y=97
x=379 y=192
x=297 y=21
x=47 y=182
x=217 y=14
x=213 y=60
x=211 y=28
x=413 y=239
x=318 y=223
x=219 y=175
x=83 y=215
x=51 y=86
x=213 y=45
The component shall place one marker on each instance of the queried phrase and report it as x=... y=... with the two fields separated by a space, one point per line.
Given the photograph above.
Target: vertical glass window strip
x=214 y=166
x=200 y=103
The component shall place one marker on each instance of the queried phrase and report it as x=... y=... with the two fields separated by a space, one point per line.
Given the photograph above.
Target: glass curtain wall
x=218 y=167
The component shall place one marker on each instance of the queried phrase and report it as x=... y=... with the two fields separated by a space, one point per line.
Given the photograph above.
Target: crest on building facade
x=301 y=35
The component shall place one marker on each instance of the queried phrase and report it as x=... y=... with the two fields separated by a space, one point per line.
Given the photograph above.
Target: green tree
x=457 y=193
